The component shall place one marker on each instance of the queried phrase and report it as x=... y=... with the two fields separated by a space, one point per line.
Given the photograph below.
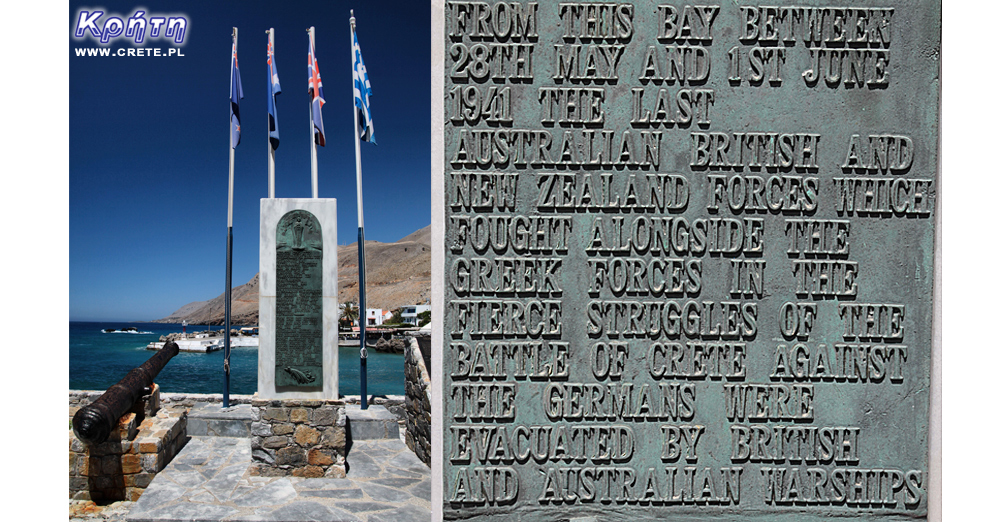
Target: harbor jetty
x=207 y=341
x=383 y=340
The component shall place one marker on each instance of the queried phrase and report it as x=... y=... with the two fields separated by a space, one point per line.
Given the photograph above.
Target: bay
x=98 y=360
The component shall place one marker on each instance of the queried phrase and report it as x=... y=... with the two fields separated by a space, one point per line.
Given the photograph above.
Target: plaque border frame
x=438 y=308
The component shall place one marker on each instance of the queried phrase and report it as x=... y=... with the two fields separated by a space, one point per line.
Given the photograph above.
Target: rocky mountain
x=397 y=274
x=183 y=312
x=244 y=310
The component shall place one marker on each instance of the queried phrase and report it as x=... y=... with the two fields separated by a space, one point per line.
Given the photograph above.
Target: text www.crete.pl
x=128 y=51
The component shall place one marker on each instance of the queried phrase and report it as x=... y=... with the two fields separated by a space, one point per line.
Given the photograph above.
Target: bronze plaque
x=689 y=255
x=299 y=305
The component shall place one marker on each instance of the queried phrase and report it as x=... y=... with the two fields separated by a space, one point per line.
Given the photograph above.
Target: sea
x=98 y=360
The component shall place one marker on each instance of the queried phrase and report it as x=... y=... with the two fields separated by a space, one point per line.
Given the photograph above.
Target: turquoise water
x=98 y=360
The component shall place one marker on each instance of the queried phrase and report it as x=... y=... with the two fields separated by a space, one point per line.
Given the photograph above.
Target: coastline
x=99 y=360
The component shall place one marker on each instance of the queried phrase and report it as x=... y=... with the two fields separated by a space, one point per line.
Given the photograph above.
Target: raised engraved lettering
x=795 y=444
x=690 y=22
x=482 y=20
x=756 y=150
x=680 y=108
x=652 y=319
x=773 y=402
x=536 y=360
x=878 y=197
x=596 y=21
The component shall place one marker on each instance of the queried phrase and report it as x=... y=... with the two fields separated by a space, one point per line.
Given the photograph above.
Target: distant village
x=404 y=316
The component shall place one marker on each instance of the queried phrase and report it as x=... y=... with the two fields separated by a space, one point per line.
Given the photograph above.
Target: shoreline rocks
x=390 y=346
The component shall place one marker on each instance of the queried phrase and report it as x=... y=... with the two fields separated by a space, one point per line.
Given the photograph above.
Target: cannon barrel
x=94 y=423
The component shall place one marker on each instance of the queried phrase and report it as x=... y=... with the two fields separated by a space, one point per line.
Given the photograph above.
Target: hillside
x=183 y=312
x=398 y=274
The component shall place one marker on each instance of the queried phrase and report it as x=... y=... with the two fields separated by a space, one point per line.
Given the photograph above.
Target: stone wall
x=424 y=342
x=123 y=466
x=418 y=400
x=301 y=438
x=80 y=398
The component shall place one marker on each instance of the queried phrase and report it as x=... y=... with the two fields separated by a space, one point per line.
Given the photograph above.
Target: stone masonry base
x=300 y=438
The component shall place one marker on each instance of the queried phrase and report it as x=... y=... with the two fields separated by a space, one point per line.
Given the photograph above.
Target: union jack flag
x=316 y=93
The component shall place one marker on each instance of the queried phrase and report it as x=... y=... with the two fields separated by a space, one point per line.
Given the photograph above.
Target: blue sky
x=149 y=157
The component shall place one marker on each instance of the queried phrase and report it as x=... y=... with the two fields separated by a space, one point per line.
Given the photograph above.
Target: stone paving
x=210 y=481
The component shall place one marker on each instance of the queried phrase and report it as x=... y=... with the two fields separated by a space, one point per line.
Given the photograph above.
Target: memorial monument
x=687 y=259
x=299 y=421
x=297 y=357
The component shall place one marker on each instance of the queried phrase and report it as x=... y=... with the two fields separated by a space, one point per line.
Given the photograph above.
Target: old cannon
x=93 y=424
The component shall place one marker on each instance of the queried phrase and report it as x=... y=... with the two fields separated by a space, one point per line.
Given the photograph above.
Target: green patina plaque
x=689 y=255
x=298 y=354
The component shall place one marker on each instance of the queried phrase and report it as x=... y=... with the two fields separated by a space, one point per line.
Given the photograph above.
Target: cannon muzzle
x=93 y=423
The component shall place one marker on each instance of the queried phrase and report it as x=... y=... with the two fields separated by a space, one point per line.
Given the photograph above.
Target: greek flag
x=362 y=90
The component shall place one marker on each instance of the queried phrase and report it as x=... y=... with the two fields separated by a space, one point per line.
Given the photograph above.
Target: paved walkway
x=209 y=480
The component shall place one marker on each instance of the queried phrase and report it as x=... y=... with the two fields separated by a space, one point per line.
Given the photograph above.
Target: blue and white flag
x=316 y=94
x=235 y=95
x=362 y=90
x=273 y=89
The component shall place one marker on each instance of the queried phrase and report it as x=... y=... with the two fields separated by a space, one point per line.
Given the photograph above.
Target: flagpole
x=229 y=247
x=270 y=170
x=312 y=132
x=312 y=141
x=270 y=149
x=361 y=246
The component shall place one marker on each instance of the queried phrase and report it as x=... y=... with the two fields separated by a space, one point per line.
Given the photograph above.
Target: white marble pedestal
x=271 y=211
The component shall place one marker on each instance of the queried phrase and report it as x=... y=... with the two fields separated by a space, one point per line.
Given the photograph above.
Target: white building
x=374 y=317
x=409 y=313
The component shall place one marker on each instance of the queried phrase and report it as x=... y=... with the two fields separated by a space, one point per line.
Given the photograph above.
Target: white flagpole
x=232 y=150
x=361 y=245
x=270 y=150
x=312 y=153
x=270 y=170
x=232 y=160
x=312 y=136
x=357 y=140
x=229 y=247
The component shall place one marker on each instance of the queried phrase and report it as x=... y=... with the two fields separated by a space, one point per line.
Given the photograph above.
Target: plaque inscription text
x=299 y=306
x=689 y=259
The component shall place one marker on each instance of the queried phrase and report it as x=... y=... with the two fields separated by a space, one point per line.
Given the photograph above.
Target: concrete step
x=376 y=422
x=211 y=419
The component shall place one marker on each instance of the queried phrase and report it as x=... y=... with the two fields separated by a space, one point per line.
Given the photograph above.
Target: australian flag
x=235 y=95
x=273 y=89
x=316 y=95
x=362 y=90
